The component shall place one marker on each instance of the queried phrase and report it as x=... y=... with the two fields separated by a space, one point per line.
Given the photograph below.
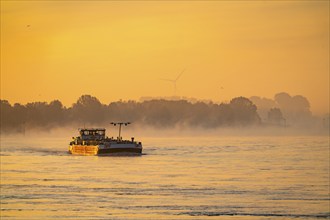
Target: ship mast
x=120 y=124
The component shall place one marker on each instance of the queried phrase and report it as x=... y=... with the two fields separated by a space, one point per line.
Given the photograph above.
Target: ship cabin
x=92 y=134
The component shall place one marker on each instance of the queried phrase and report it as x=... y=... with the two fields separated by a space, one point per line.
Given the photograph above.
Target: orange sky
x=119 y=50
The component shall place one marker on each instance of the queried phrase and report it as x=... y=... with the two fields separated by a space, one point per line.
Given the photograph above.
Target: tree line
x=160 y=113
x=295 y=109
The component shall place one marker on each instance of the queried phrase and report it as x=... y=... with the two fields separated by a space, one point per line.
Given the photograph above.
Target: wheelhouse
x=92 y=133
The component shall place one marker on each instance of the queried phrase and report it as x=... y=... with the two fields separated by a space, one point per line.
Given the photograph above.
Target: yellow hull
x=84 y=150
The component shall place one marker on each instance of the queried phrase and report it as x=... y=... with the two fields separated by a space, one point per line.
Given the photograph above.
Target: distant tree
x=275 y=116
x=296 y=109
x=56 y=112
x=87 y=101
x=37 y=114
x=20 y=115
x=124 y=111
x=158 y=113
x=244 y=111
x=295 y=104
x=6 y=116
x=263 y=105
x=88 y=109
x=283 y=99
x=225 y=115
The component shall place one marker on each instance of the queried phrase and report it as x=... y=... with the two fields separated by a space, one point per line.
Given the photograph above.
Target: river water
x=175 y=178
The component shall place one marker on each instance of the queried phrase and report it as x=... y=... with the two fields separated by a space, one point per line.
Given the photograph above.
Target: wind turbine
x=175 y=80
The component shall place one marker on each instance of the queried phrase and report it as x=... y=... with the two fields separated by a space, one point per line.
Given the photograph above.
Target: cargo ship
x=93 y=141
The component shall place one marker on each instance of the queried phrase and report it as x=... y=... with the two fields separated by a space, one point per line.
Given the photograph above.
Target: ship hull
x=119 y=150
x=96 y=150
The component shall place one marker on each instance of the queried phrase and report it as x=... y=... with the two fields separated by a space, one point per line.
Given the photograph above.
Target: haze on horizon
x=120 y=50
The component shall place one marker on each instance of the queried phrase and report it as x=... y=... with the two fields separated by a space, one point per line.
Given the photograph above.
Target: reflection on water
x=176 y=178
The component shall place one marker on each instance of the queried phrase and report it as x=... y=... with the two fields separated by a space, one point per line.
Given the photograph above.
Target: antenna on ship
x=120 y=124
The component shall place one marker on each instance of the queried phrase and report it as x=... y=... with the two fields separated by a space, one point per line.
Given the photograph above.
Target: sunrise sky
x=120 y=50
